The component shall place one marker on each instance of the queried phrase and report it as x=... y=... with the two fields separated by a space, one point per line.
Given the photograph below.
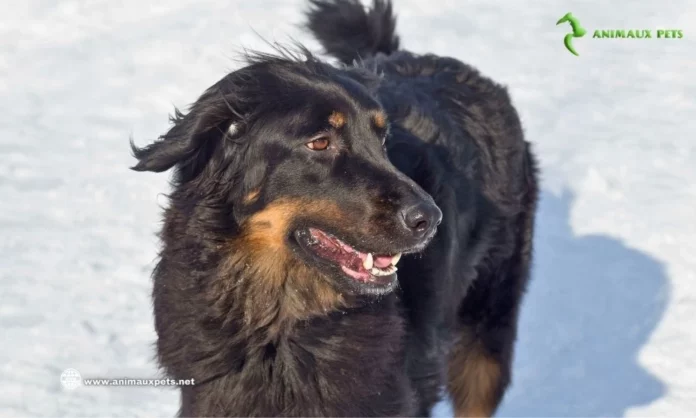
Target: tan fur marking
x=337 y=119
x=473 y=379
x=278 y=215
x=379 y=119
x=252 y=196
x=278 y=288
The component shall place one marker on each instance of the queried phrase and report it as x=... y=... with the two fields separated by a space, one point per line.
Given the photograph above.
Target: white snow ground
x=608 y=324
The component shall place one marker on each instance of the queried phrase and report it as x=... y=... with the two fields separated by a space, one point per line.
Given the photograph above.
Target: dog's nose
x=422 y=218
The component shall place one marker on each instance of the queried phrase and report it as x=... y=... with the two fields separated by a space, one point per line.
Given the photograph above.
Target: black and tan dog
x=298 y=188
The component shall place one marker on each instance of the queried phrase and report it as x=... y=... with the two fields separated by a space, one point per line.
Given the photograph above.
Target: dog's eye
x=319 y=144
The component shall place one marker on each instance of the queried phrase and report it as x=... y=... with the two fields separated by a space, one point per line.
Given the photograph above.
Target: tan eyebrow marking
x=252 y=196
x=379 y=119
x=337 y=119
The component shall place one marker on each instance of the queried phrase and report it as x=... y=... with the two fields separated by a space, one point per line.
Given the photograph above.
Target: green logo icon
x=578 y=31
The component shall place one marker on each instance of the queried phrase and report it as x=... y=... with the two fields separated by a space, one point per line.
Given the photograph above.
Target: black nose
x=422 y=218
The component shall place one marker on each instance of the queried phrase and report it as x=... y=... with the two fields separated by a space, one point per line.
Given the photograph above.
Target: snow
x=607 y=327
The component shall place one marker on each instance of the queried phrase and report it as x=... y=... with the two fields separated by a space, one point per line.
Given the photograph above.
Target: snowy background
x=608 y=326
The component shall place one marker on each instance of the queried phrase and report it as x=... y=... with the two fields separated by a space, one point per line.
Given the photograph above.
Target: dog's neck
x=342 y=363
x=263 y=348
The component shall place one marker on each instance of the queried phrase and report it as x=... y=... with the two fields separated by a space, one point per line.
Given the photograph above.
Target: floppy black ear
x=192 y=138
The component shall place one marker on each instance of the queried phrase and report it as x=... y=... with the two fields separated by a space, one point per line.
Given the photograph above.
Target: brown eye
x=319 y=144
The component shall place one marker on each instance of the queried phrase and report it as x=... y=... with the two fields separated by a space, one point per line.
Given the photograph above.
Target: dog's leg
x=476 y=378
x=480 y=361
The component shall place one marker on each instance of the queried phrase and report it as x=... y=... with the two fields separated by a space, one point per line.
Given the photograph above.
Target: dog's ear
x=194 y=136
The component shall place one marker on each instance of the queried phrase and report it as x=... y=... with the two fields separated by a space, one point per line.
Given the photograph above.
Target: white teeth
x=396 y=259
x=383 y=272
x=367 y=263
x=376 y=272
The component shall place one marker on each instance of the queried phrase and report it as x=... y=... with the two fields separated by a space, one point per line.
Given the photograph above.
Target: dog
x=300 y=187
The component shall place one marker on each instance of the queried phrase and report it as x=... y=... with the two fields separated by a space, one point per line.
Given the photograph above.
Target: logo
x=70 y=379
x=578 y=31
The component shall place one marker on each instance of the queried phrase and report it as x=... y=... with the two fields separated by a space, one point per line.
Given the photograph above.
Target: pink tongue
x=350 y=264
x=382 y=261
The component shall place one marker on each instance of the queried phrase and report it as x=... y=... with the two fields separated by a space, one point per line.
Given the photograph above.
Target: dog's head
x=287 y=158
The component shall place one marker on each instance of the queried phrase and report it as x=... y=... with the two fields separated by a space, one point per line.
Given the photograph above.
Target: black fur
x=349 y=32
x=269 y=331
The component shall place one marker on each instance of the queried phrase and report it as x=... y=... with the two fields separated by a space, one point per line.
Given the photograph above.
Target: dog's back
x=458 y=136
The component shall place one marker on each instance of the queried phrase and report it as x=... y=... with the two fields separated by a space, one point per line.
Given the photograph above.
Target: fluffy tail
x=348 y=31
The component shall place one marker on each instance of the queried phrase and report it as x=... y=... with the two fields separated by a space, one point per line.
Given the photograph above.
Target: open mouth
x=363 y=267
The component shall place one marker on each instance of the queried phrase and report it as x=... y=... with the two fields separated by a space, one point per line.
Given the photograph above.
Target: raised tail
x=349 y=31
